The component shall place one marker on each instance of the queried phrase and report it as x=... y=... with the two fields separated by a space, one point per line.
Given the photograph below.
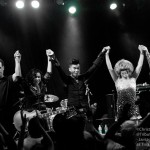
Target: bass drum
x=17 y=121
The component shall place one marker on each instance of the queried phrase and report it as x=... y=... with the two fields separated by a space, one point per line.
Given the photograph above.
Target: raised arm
x=96 y=64
x=148 y=57
x=49 y=63
x=17 y=57
x=56 y=63
x=137 y=71
x=109 y=65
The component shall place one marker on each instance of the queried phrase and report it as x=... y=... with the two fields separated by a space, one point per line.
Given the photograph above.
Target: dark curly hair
x=32 y=74
x=74 y=61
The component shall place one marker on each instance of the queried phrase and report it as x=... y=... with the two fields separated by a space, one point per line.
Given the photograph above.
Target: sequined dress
x=126 y=93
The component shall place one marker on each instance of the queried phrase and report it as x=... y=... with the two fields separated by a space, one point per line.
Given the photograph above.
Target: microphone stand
x=20 y=102
x=114 y=104
x=88 y=93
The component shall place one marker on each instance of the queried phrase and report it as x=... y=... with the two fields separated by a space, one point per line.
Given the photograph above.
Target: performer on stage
x=76 y=83
x=35 y=87
x=6 y=92
x=124 y=77
x=148 y=57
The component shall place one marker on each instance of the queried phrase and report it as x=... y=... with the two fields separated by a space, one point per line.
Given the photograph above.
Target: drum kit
x=49 y=114
x=142 y=87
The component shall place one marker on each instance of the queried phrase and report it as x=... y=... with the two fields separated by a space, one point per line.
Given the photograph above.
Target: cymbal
x=48 y=98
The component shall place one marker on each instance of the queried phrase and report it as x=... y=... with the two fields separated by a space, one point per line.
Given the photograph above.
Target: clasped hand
x=142 y=48
x=50 y=54
x=106 y=49
x=17 y=55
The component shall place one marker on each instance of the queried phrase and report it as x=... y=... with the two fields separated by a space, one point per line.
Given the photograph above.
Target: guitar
x=17 y=120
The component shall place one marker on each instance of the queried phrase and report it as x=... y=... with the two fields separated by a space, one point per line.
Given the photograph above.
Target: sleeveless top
x=126 y=93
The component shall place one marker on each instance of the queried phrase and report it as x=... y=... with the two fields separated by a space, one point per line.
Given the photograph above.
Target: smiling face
x=37 y=78
x=74 y=70
x=124 y=74
x=1 y=70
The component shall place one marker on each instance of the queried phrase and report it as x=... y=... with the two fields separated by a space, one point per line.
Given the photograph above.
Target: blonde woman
x=124 y=77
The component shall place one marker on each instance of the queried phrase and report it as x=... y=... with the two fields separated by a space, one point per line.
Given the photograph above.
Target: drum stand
x=21 y=104
x=16 y=136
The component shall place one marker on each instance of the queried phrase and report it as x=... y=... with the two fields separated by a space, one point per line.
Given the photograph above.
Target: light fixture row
x=21 y=3
x=36 y=4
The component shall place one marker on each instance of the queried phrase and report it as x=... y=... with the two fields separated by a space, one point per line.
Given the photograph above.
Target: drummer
x=35 y=87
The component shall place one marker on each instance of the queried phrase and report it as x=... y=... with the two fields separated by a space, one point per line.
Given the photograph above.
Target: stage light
x=20 y=4
x=72 y=9
x=35 y=3
x=113 y=6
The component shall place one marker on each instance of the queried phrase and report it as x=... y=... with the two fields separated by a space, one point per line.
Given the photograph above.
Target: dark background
x=81 y=36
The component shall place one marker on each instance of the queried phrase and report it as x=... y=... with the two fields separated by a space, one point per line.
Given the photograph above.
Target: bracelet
x=141 y=52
